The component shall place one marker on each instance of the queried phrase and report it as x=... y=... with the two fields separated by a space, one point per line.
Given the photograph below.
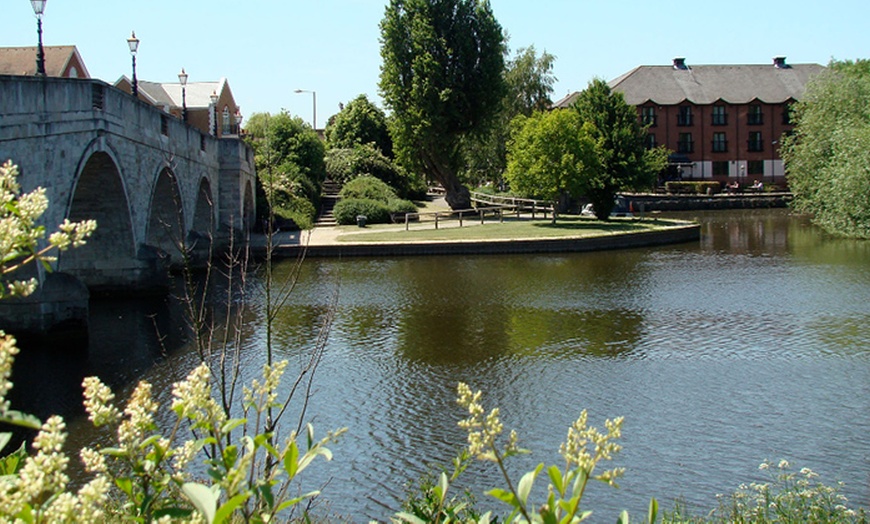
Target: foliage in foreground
x=827 y=158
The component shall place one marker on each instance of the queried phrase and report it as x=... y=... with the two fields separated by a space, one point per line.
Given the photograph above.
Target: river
x=752 y=344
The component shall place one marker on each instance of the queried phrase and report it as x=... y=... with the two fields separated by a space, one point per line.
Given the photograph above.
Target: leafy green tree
x=360 y=122
x=289 y=157
x=551 y=155
x=626 y=163
x=442 y=78
x=529 y=83
x=827 y=159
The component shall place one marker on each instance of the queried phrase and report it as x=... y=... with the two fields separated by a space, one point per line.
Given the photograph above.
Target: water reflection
x=749 y=345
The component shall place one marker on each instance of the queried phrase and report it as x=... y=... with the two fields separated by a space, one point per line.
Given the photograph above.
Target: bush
x=296 y=213
x=697 y=188
x=368 y=187
x=346 y=211
x=344 y=165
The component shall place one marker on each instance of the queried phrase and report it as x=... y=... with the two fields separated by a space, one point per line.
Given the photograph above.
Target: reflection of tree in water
x=475 y=309
x=559 y=334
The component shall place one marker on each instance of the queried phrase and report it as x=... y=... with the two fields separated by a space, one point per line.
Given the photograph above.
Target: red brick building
x=722 y=122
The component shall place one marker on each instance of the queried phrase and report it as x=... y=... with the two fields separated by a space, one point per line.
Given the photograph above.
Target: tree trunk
x=458 y=196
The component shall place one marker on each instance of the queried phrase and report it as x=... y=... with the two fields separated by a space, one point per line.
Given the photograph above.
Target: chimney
x=680 y=63
x=779 y=62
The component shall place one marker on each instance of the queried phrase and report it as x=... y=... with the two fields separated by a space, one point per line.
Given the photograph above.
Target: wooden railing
x=498 y=207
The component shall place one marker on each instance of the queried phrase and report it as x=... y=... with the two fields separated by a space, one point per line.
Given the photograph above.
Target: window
x=685 y=116
x=755 y=167
x=685 y=144
x=720 y=168
x=225 y=121
x=164 y=125
x=754 y=143
x=720 y=143
x=650 y=141
x=756 y=116
x=648 y=116
x=720 y=118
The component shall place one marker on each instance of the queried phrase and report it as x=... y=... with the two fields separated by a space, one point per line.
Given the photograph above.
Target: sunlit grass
x=510 y=229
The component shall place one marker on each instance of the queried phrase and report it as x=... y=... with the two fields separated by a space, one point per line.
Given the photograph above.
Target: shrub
x=344 y=165
x=346 y=211
x=368 y=187
x=697 y=188
x=297 y=213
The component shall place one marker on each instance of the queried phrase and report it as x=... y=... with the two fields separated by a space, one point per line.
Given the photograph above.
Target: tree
x=551 y=155
x=827 y=159
x=626 y=163
x=529 y=83
x=360 y=122
x=289 y=157
x=442 y=78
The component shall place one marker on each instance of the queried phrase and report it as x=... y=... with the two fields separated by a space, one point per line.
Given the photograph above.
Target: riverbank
x=721 y=201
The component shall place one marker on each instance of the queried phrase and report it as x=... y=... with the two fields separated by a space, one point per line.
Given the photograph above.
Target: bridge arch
x=99 y=194
x=165 y=228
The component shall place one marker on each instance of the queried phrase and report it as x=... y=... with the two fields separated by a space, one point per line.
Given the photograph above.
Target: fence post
x=460 y=219
x=406 y=220
x=501 y=215
x=481 y=217
x=436 y=220
x=534 y=206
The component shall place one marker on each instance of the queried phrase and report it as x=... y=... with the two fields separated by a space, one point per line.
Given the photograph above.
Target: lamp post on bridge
x=38 y=9
x=313 y=106
x=133 y=42
x=182 y=79
x=214 y=99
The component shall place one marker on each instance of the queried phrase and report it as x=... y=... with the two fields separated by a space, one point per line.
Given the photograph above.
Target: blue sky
x=268 y=48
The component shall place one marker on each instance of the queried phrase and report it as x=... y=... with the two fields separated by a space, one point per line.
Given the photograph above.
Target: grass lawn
x=566 y=226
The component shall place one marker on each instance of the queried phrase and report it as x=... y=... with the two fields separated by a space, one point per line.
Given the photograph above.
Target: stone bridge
x=155 y=185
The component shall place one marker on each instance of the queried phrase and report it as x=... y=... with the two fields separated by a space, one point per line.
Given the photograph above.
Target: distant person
x=758 y=186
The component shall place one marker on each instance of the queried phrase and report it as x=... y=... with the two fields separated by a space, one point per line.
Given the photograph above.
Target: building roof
x=22 y=60
x=196 y=94
x=707 y=84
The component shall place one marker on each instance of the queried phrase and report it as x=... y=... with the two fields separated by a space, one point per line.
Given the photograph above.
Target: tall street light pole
x=133 y=42
x=313 y=104
x=38 y=9
x=182 y=79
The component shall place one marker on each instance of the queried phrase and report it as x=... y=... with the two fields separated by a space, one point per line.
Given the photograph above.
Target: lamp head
x=213 y=97
x=38 y=6
x=182 y=77
x=133 y=42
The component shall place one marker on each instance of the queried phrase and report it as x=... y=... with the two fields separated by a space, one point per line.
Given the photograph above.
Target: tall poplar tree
x=442 y=79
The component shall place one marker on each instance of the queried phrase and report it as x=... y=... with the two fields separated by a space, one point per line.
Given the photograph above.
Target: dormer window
x=225 y=121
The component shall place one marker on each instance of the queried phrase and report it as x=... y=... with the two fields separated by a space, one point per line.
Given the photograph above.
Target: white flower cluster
x=482 y=431
x=574 y=449
x=20 y=235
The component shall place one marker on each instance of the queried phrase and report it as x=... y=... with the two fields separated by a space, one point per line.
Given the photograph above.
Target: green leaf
x=125 y=484
x=227 y=508
x=526 y=483
x=287 y=503
x=411 y=519
x=17 y=418
x=623 y=518
x=653 y=512
x=203 y=499
x=291 y=460
x=442 y=487
x=232 y=424
x=585 y=515
x=11 y=463
x=504 y=496
x=555 y=475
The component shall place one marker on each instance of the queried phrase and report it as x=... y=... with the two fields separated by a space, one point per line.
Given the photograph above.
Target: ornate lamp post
x=182 y=79
x=214 y=98
x=38 y=9
x=133 y=42
x=313 y=104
